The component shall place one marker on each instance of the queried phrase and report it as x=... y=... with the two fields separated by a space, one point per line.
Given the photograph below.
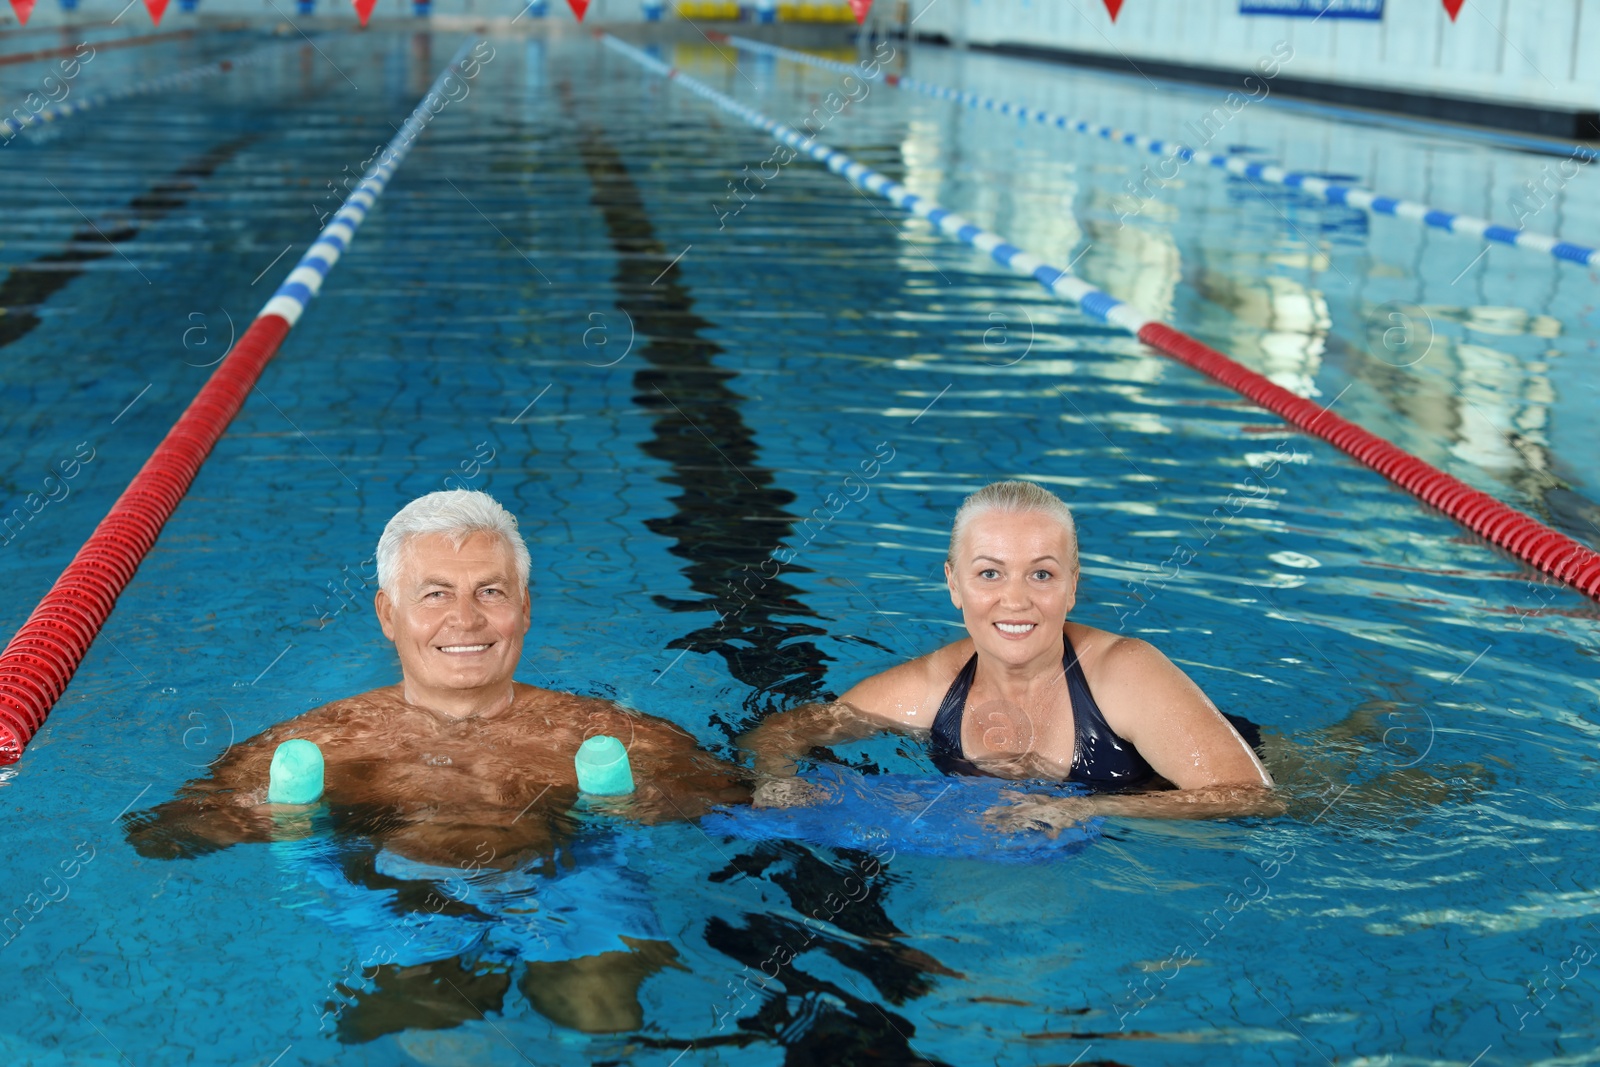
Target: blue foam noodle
x=925 y=816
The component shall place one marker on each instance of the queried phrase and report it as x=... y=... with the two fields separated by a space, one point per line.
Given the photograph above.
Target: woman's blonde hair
x=1014 y=498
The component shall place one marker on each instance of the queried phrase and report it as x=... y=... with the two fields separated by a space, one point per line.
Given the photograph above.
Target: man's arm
x=673 y=777
x=224 y=808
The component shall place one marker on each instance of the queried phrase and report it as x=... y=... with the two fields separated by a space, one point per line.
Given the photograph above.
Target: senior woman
x=1028 y=694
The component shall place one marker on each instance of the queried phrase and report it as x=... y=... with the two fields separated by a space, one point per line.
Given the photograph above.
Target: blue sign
x=1372 y=10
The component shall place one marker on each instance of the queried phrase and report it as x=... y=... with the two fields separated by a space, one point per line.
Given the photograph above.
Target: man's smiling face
x=456 y=616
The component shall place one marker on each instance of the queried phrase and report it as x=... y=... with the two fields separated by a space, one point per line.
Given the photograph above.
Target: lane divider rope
x=106 y=44
x=41 y=659
x=1333 y=192
x=1548 y=550
x=12 y=125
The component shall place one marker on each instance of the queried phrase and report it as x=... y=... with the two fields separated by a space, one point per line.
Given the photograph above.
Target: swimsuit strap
x=1102 y=758
x=947 y=723
x=1085 y=711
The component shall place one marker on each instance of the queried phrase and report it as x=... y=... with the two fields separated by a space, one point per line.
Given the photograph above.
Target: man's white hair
x=456 y=513
x=1014 y=498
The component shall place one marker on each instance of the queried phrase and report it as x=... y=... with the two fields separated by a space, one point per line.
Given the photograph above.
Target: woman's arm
x=787 y=737
x=895 y=699
x=1033 y=812
x=1149 y=701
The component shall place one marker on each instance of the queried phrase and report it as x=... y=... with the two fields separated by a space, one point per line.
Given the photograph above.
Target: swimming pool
x=543 y=305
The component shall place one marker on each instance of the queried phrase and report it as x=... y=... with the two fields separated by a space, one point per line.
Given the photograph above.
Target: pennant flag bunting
x=1453 y=8
x=23 y=8
x=157 y=8
x=363 y=10
x=579 y=8
x=859 y=7
x=1114 y=7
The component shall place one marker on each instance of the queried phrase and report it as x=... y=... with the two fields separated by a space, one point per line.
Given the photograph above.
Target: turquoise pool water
x=543 y=305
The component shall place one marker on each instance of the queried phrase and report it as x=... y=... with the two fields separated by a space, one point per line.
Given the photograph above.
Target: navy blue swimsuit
x=1103 y=761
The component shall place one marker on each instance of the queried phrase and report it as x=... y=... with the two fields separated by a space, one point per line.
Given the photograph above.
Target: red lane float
x=1554 y=553
x=1529 y=540
x=104 y=46
x=40 y=660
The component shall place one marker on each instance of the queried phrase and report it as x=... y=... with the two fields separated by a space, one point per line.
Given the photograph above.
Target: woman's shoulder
x=1103 y=653
x=1130 y=677
x=910 y=692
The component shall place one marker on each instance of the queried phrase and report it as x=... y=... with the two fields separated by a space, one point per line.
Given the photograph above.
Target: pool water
x=548 y=303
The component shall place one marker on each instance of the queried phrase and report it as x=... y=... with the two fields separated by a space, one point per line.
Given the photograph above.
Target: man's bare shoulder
x=560 y=706
x=340 y=719
x=910 y=693
x=589 y=714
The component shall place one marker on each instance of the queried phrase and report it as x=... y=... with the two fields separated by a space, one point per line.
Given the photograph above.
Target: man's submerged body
x=436 y=790
x=456 y=770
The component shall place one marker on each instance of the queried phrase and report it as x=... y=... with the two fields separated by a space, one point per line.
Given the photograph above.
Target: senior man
x=457 y=769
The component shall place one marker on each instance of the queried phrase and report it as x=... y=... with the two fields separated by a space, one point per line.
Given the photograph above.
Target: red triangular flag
x=1115 y=7
x=860 y=7
x=1453 y=8
x=579 y=8
x=363 y=10
x=23 y=8
x=157 y=8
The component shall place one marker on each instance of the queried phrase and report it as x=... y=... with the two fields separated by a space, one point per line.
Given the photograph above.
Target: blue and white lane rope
x=1062 y=282
x=1334 y=192
x=13 y=125
x=305 y=280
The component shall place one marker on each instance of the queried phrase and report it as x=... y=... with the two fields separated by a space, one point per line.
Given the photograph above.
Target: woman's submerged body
x=1101 y=758
x=1013 y=574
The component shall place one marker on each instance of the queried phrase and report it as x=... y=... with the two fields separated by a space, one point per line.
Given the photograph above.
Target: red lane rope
x=1551 y=552
x=1529 y=540
x=41 y=659
x=103 y=46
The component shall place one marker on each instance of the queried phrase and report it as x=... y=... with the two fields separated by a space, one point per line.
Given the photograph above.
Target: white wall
x=1523 y=51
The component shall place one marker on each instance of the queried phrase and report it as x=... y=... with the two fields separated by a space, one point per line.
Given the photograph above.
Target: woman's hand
x=1031 y=811
x=786 y=792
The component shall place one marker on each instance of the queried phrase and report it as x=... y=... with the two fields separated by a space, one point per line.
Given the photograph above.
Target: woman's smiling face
x=1012 y=578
